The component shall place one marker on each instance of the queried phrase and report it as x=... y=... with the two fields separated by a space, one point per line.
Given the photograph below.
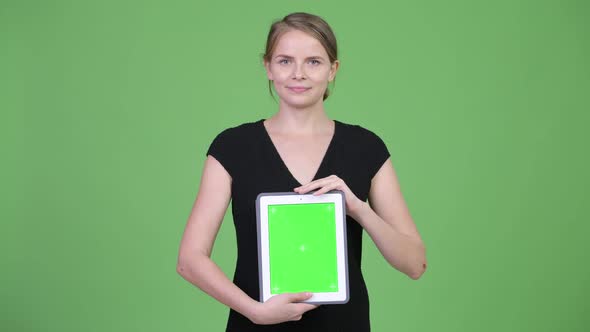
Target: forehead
x=299 y=43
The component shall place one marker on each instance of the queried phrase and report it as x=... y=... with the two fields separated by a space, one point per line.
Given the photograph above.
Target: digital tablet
x=302 y=245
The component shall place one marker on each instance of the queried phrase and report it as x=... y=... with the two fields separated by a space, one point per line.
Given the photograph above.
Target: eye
x=281 y=61
x=316 y=61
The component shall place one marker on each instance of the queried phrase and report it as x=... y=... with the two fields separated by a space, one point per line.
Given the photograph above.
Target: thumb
x=295 y=297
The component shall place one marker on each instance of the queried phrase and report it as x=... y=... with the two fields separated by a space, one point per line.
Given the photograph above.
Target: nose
x=298 y=72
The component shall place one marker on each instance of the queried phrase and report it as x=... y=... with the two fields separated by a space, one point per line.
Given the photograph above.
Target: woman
x=299 y=149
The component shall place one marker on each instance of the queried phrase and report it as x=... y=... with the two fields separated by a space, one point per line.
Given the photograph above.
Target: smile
x=299 y=90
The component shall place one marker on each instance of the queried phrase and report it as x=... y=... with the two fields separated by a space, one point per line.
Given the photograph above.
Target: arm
x=195 y=265
x=388 y=222
x=194 y=262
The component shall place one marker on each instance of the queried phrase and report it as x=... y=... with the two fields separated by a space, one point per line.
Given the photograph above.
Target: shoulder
x=233 y=139
x=239 y=129
x=359 y=133
x=369 y=149
x=232 y=144
x=237 y=133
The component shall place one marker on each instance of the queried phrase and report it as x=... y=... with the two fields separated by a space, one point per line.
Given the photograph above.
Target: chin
x=301 y=101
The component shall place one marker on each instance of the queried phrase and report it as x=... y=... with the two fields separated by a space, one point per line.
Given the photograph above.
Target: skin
x=300 y=131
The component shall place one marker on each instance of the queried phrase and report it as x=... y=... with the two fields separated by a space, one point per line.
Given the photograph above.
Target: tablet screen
x=302 y=248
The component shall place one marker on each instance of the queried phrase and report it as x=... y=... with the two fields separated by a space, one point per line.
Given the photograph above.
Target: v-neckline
x=282 y=162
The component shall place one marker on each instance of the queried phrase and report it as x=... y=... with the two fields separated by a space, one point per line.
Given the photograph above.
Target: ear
x=267 y=68
x=333 y=70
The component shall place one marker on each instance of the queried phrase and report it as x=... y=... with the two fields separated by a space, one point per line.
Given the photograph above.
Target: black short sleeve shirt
x=247 y=153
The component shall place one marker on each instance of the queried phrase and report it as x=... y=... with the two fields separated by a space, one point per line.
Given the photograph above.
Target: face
x=300 y=69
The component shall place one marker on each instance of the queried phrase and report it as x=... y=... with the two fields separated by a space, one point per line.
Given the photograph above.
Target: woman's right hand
x=281 y=308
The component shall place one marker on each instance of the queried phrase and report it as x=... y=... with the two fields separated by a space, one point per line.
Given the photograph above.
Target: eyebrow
x=290 y=57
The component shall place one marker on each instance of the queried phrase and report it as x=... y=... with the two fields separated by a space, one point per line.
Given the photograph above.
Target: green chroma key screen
x=302 y=248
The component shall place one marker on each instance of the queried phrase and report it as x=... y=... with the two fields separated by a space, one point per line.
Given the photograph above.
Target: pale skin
x=301 y=132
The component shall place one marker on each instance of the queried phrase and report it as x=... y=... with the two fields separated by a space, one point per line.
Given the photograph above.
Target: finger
x=319 y=186
x=337 y=183
x=327 y=188
x=313 y=184
x=297 y=317
x=297 y=297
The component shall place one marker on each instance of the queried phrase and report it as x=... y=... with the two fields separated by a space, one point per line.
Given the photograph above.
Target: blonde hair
x=311 y=24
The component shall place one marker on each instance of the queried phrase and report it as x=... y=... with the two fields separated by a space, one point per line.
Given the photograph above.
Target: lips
x=298 y=88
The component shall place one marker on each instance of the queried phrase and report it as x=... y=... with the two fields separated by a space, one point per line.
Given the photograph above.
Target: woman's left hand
x=353 y=203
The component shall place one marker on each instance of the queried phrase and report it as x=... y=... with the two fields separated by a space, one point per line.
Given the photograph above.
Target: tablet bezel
x=333 y=196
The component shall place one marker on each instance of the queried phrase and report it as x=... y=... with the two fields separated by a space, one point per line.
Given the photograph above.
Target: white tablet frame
x=333 y=196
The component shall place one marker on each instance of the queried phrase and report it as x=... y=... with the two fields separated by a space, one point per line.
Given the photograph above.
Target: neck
x=301 y=121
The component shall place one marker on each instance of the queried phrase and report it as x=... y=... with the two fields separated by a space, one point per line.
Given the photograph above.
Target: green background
x=108 y=108
x=302 y=248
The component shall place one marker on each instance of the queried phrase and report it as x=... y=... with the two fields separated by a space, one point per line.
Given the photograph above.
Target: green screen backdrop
x=108 y=108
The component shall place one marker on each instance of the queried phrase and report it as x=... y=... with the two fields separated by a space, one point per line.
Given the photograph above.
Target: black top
x=246 y=151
